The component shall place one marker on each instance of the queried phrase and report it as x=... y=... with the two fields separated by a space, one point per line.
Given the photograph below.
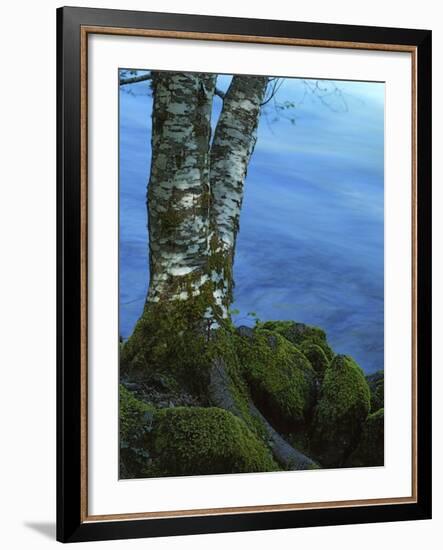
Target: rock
x=280 y=378
x=245 y=332
x=131 y=386
x=340 y=413
x=136 y=419
x=316 y=356
x=198 y=441
x=376 y=383
x=298 y=333
x=370 y=449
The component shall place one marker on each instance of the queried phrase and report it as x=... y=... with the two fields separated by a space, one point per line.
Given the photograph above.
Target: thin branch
x=134 y=79
x=220 y=93
x=148 y=76
x=276 y=85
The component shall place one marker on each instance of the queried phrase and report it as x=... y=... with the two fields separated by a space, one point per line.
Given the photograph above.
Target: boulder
x=341 y=411
x=298 y=333
x=280 y=378
x=136 y=420
x=370 y=449
x=316 y=356
x=376 y=383
x=206 y=440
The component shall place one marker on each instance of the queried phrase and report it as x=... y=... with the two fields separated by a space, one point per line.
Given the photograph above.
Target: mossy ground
x=318 y=401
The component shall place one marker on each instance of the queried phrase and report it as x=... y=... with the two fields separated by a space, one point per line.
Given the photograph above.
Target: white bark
x=195 y=195
x=178 y=191
x=234 y=141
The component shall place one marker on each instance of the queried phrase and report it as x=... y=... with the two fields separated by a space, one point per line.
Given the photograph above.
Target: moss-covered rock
x=341 y=411
x=316 y=356
x=376 y=383
x=370 y=449
x=280 y=378
x=136 y=420
x=299 y=333
x=204 y=399
x=198 y=441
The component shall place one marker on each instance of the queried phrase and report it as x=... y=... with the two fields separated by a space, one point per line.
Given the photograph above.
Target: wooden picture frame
x=74 y=25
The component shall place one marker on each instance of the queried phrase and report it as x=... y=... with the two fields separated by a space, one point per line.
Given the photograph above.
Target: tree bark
x=195 y=191
x=234 y=141
x=178 y=191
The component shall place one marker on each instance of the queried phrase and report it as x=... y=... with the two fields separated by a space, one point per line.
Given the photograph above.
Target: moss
x=376 y=382
x=299 y=333
x=172 y=336
x=370 y=449
x=170 y=339
x=198 y=441
x=280 y=378
x=300 y=441
x=172 y=218
x=341 y=411
x=225 y=344
x=136 y=418
x=316 y=356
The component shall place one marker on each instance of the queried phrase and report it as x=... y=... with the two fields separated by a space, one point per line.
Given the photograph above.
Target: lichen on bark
x=178 y=186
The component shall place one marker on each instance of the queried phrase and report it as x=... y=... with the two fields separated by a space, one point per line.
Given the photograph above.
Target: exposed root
x=221 y=395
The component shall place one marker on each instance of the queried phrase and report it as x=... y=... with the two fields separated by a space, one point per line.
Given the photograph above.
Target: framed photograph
x=244 y=274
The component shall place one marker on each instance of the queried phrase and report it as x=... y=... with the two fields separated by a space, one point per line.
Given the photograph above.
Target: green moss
x=225 y=345
x=136 y=418
x=370 y=449
x=300 y=441
x=376 y=382
x=198 y=441
x=316 y=356
x=170 y=339
x=172 y=218
x=341 y=411
x=299 y=333
x=280 y=378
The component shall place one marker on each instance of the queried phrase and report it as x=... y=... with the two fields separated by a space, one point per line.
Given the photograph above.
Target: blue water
x=310 y=246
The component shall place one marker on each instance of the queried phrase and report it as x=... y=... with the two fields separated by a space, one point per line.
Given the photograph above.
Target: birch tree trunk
x=178 y=190
x=194 y=199
x=234 y=141
x=195 y=196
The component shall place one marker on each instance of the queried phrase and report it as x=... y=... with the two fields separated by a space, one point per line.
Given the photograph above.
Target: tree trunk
x=234 y=141
x=178 y=191
x=195 y=193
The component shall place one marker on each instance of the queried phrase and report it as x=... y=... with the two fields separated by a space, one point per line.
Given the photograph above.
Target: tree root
x=221 y=395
